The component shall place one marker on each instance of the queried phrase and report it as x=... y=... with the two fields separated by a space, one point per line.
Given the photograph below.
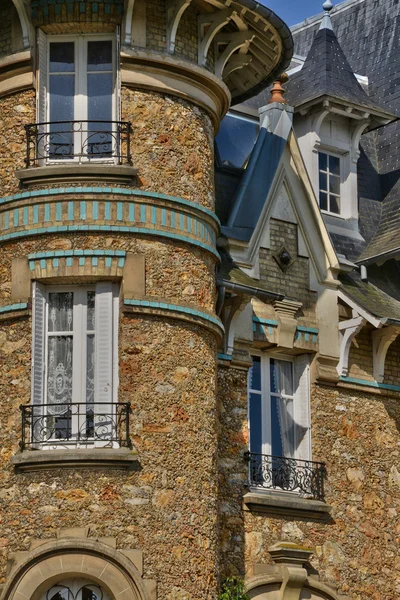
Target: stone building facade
x=134 y=317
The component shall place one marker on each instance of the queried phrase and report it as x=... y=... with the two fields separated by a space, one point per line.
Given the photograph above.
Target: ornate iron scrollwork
x=79 y=141
x=80 y=424
x=287 y=474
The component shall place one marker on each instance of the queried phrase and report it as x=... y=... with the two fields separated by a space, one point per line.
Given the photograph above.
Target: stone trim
x=74 y=555
x=169 y=75
x=94 y=458
x=286 y=504
x=371 y=384
x=185 y=313
x=77 y=263
x=16 y=73
x=119 y=174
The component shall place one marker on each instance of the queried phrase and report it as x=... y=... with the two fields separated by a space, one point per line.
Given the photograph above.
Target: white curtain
x=282 y=373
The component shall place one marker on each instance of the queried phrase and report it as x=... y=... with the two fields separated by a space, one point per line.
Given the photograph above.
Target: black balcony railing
x=78 y=141
x=52 y=426
x=288 y=474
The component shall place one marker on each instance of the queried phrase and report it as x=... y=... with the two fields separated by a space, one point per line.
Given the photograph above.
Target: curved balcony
x=78 y=150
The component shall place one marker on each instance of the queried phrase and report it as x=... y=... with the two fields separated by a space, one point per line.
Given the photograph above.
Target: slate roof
x=326 y=72
x=368 y=31
x=371 y=298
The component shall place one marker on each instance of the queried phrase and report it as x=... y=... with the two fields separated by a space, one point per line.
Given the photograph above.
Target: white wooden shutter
x=105 y=421
x=118 y=76
x=41 y=96
x=38 y=338
x=302 y=407
x=38 y=363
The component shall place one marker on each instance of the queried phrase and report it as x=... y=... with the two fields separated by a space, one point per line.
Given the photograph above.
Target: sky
x=295 y=11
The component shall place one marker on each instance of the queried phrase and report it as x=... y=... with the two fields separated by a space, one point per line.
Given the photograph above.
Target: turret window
x=329 y=182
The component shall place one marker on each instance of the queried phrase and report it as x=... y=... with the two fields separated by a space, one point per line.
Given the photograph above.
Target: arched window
x=76 y=589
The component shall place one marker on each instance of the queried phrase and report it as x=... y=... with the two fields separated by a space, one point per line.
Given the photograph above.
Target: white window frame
x=80 y=97
x=301 y=402
x=328 y=153
x=106 y=348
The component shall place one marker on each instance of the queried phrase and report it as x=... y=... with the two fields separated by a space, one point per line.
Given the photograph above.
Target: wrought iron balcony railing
x=78 y=141
x=53 y=426
x=287 y=474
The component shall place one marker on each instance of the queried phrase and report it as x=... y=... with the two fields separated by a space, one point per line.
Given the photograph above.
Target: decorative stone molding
x=286 y=311
x=25 y=24
x=289 y=505
x=74 y=554
x=96 y=458
x=381 y=340
x=288 y=573
x=75 y=174
x=169 y=75
x=347 y=332
x=325 y=369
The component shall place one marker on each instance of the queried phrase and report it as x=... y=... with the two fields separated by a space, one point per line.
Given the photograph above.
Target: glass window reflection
x=235 y=140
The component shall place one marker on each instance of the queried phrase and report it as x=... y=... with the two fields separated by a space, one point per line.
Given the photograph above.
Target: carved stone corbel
x=286 y=314
x=290 y=558
x=381 y=340
x=232 y=306
x=347 y=331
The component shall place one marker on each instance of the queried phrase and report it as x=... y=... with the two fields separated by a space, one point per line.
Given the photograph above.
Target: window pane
x=323 y=202
x=274 y=376
x=282 y=427
x=335 y=205
x=334 y=165
x=285 y=369
x=235 y=140
x=100 y=88
x=255 y=423
x=323 y=181
x=255 y=374
x=62 y=59
x=100 y=56
x=323 y=161
x=91 y=296
x=90 y=366
x=59 y=374
x=334 y=185
x=60 y=311
x=62 y=91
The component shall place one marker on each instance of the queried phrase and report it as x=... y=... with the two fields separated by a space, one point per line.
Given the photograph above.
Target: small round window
x=75 y=589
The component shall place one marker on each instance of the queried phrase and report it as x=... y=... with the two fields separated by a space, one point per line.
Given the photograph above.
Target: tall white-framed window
x=74 y=377
x=78 y=97
x=279 y=420
x=329 y=169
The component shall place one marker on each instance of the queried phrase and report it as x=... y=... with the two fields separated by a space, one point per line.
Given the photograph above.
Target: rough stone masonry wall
x=168 y=509
x=16 y=111
x=167 y=371
x=295 y=281
x=173 y=145
x=357 y=435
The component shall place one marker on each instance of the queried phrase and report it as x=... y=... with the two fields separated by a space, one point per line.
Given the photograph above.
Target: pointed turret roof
x=327 y=73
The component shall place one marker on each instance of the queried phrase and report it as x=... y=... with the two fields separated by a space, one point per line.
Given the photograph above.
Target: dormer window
x=329 y=182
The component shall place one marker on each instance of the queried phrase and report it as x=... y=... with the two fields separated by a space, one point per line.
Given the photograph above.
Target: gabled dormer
x=332 y=111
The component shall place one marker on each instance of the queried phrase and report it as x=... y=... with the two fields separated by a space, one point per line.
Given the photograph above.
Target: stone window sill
x=68 y=173
x=285 y=504
x=94 y=458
